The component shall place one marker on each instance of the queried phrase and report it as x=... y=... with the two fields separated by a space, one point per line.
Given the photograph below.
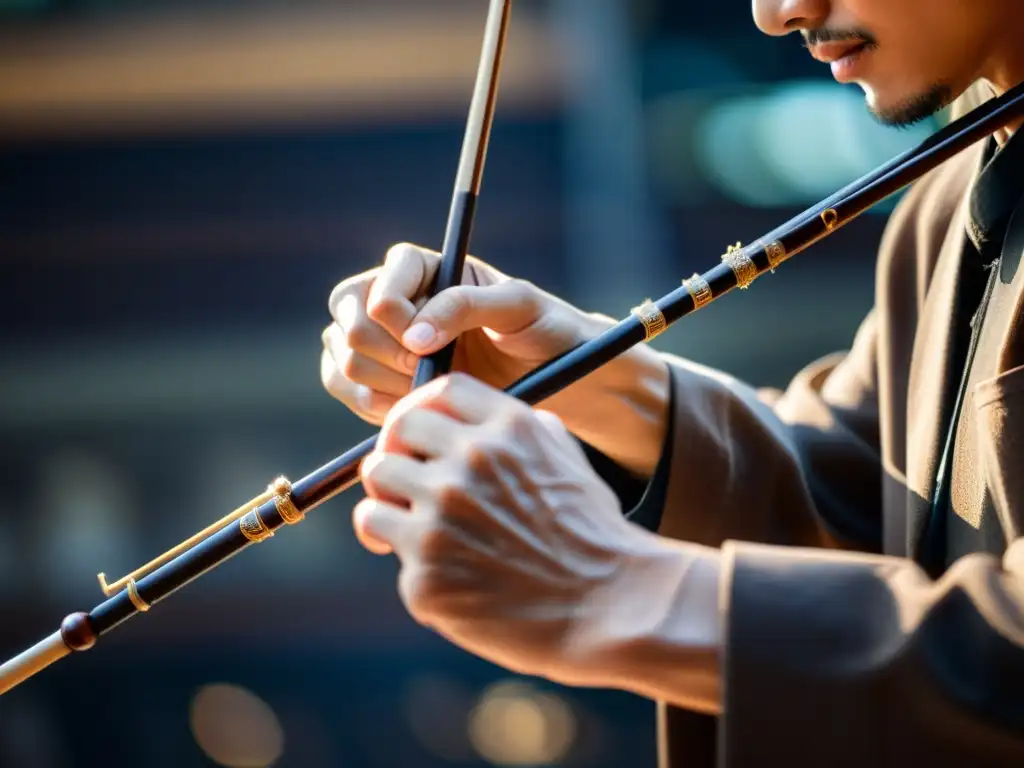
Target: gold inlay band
x=741 y=264
x=253 y=527
x=652 y=318
x=135 y=597
x=776 y=253
x=282 y=490
x=699 y=290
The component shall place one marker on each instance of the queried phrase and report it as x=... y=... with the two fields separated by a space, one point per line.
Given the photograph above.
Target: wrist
x=622 y=408
x=653 y=627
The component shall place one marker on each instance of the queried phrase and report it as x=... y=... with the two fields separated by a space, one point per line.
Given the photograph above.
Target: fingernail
x=420 y=335
x=411 y=360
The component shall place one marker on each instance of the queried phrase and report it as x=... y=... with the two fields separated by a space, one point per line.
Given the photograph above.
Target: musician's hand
x=511 y=546
x=501 y=525
x=382 y=324
x=505 y=328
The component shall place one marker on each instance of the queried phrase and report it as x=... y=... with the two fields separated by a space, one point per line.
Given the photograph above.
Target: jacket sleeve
x=799 y=468
x=842 y=659
x=834 y=654
x=852 y=660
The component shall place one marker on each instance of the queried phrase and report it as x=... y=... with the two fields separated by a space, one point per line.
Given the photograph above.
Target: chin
x=907 y=109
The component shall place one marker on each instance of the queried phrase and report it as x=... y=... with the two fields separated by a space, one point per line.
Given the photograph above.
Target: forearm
x=654 y=629
x=622 y=408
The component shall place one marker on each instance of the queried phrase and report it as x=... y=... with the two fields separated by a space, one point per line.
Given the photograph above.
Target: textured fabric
x=971 y=525
x=839 y=650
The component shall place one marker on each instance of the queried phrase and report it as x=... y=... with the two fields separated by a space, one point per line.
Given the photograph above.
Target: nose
x=780 y=17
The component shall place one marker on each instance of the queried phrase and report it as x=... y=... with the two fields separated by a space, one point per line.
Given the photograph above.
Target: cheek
x=934 y=42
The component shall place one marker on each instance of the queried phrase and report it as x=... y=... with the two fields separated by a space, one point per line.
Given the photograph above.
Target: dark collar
x=996 y=194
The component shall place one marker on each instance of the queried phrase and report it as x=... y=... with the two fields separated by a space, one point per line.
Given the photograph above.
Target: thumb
x=507 y=307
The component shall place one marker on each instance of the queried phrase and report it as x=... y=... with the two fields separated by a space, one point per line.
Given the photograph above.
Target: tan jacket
x=839 y=658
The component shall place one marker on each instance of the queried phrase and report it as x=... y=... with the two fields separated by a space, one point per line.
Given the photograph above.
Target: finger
x=422 y=432
x=361 y=400
x=551 y=423
x=394 y=478
x=363 y=369
x=507 y=307
x=461 y=397
x=351 y=291
x=353 y=327
x=565 y=439
x=381 y=527
x=406 y=274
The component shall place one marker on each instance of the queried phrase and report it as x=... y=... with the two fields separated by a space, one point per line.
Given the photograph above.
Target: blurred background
x=182 y=184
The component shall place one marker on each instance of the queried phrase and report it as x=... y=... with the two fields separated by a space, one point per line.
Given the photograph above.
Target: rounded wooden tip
x=77 y=633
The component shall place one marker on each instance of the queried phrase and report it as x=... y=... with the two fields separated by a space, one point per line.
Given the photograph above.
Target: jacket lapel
x=933 y=383
x=999 y=400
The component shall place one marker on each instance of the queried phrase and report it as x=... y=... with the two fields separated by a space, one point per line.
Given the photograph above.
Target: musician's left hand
x=512 y=547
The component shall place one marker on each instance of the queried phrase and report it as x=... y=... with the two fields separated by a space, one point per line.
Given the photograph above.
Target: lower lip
x=847 y=68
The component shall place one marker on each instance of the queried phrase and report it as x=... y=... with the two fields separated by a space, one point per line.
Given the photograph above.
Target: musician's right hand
x=506 y=327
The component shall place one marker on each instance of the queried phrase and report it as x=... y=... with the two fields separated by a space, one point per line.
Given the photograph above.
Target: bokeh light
x=514 y=724
x=437 y=707
x=236 y=728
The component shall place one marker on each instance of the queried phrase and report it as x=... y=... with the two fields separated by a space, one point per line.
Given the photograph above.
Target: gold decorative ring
x=135 y=597
x=776 y=253
x=282 y=490
x=699 y=290
x=253 y=527
x=652 y=318
x=742 y=266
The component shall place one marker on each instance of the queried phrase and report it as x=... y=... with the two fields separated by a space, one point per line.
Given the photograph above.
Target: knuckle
x=483 y=454
x=346 y=288
x=401 y=424
x=454 y=387
x=369 y=472
x=360 y=335
x=516 y=423
x=385 y=307
x=448 y=387
x=461 y=384
x=373 y=471
x=352 y=366
x=522 y=288
x=525 y=293
x=435 y=546
x=450 y=493
x=400 y=254
x=450 y=305
x=479 y=458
